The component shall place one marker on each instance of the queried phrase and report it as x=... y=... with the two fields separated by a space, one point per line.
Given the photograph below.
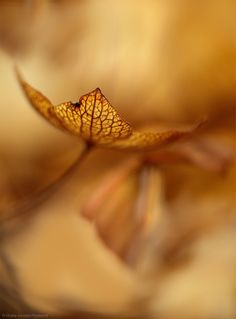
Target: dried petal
x=39 y=102
x=96 y=121
x=93 y=118
x=144 y=141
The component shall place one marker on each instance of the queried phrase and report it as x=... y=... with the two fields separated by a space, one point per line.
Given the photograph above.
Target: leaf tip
x=17 y=73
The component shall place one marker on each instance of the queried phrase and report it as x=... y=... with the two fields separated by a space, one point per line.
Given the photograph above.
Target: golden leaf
x=141 y=141
x=39 y=102
x=95 y=120
x=92 y=118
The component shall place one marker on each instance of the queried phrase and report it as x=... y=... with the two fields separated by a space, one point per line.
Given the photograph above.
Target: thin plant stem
x=42 y=195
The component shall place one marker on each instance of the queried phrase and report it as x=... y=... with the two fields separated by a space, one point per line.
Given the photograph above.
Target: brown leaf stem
x=39 y=197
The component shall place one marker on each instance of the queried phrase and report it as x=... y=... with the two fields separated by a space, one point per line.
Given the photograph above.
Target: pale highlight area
x=206 y=287
x=61 y=263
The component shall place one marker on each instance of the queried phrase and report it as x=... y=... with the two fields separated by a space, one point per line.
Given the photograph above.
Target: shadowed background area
x=159 y=63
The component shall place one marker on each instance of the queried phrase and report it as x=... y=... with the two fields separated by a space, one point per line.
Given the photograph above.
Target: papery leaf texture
x=95 y=120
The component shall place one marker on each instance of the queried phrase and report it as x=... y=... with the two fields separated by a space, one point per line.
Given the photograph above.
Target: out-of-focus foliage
x=167 y=220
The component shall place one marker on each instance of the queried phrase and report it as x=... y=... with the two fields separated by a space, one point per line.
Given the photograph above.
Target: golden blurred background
x=163 y=63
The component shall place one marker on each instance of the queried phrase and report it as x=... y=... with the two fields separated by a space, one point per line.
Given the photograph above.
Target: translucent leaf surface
x=95 y=120
x=39 y=102
x=141 y=141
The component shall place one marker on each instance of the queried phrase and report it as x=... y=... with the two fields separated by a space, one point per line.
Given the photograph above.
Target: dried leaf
x=141 y=141
x=95 y=120
x=39 y=102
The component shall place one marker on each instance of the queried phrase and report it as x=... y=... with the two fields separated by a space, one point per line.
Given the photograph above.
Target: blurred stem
x=148 y=211
x=42 y=195
x=111 y=181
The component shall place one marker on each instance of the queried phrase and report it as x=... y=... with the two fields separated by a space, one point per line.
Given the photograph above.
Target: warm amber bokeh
x=162 y=241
